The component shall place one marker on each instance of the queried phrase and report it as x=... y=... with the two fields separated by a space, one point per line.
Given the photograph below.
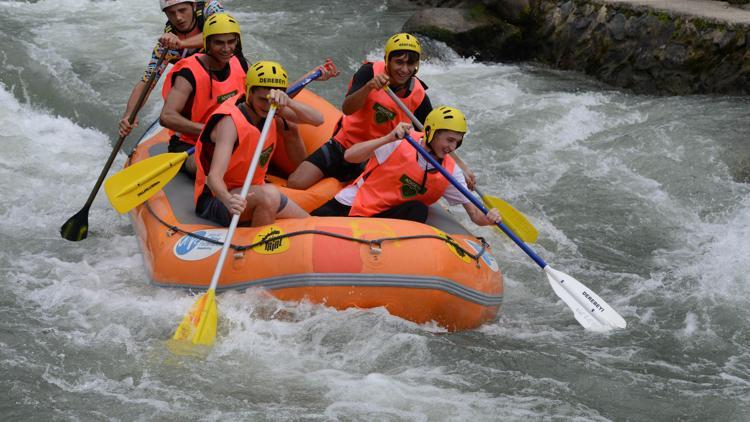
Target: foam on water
x=608 y=178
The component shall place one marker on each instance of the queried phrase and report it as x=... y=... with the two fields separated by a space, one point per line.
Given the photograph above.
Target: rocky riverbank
x=648 y=46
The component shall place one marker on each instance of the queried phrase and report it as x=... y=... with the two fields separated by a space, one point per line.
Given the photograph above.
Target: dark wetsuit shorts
x=329 y=158
x=211 y=208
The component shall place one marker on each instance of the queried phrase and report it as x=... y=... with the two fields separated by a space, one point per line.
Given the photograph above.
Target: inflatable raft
x=420 y=272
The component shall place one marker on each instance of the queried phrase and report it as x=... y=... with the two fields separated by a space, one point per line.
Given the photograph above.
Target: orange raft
x=420 y=272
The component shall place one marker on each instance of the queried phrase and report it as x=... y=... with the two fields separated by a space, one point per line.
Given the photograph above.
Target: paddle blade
x=513 y=219
x=134 y=185
x=590 y=310
x=77 y=226
x=197 y=331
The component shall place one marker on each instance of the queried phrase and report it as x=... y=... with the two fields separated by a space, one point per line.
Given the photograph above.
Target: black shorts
x=332 y=208
x=176 y=145
x=211 y=208
x=329 y=158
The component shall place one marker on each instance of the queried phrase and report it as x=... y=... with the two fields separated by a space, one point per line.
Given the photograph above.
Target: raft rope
x=374 y=244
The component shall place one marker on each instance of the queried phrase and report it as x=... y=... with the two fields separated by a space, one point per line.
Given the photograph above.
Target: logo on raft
x=451 y=244
x=488 y=259
x=271 y=241
x=190 y=248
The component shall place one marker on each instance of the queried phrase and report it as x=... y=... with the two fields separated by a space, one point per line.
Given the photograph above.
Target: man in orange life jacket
x=398 y=182
x=198 y=84
x=182 y=38
x=368 y=111
x=228 y=141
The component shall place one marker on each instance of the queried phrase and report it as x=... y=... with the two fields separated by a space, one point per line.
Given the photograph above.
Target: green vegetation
x=479 y=11
x=663 y=17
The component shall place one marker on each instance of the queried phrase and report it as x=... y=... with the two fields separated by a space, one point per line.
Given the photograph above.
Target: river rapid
x=644 y=199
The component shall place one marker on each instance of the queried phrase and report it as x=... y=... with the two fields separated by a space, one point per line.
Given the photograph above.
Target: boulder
x=516 y=12
x=470 y=32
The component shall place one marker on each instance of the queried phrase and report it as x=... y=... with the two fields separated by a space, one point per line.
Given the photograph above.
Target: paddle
x=515 y=220
x=137 y=183
x=198 y=327
x=77 y=226
x=591 y=311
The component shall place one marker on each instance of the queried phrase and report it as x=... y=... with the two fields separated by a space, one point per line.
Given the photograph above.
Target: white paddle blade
x=590 y=310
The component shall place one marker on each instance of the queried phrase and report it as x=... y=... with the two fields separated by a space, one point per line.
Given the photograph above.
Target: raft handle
x=376 y=248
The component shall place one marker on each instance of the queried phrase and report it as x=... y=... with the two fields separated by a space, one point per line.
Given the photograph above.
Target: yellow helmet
x=444 y=117
x=267 y=74
x=220 y=23
x=402 y=41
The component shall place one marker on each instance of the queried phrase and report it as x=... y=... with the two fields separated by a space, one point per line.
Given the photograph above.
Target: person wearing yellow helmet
x=228 y=141
x=398 y=182
x=368 y=111
x=182 y=38
x=198 y=84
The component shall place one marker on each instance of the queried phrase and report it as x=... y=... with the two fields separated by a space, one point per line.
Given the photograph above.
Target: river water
x=644 y=199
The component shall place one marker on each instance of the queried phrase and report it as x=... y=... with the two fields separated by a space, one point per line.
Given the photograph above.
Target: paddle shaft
x=121 y=140
x=475 y=201
x=476 y=189
x=243 y=194
x=417 y=124
x=301 y=84
x=291 y=91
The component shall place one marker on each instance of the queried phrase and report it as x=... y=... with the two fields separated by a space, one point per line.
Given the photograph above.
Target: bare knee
x=304 y=176
x=264 y=197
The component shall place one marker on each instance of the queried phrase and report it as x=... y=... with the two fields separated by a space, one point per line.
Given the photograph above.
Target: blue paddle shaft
x=521 y=244
x=292 y=90
x=301 y=84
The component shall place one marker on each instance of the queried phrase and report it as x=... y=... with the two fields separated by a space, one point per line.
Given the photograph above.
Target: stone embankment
x=649 y=46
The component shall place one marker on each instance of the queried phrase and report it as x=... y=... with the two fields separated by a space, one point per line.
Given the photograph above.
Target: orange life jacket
x=239 y=164
x=399 y=179
x=209 y=93
x=379 y=115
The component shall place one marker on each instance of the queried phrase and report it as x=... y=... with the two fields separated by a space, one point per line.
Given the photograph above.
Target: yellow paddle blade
x=197 y=331
x=513 y=219
x=132 y=186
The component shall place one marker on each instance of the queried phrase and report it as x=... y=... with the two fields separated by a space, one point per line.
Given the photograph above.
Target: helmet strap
x=430 y=150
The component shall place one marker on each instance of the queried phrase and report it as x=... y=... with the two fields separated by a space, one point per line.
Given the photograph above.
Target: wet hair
x=255 y=88
x=411 y=56
x=237 y=49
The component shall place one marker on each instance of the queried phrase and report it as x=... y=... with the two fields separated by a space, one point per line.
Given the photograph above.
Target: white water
x=637 y=197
